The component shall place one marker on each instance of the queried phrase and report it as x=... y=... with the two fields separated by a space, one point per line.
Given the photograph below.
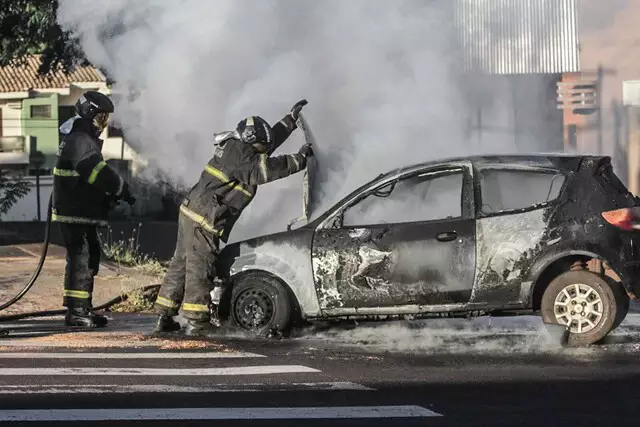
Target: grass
x=136 y=302
x=126 y=252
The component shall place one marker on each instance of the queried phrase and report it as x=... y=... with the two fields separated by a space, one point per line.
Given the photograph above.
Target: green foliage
x=28 y=27
x=127 y=252
x=12 y=189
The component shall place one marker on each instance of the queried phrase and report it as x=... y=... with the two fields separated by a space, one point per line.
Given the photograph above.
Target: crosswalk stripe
x=336 y=412
x=171 y=388
x=170 y=355
x=236 y=370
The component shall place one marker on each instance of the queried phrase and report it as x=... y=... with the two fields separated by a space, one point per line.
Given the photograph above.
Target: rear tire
x=260 y=304
x=622 y=299
x=587 y=304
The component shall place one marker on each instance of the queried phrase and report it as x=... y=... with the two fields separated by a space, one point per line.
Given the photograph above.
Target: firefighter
x=84 y=190
x=241 y=162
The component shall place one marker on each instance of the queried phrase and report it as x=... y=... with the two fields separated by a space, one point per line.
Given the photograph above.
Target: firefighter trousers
x=83 y=261
x=189 y=279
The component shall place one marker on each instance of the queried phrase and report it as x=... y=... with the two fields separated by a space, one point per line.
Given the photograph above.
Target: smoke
x=448 y=336
x=483 y=335
x=383 y=80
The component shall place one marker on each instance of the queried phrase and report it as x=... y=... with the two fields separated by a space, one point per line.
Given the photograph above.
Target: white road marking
x=236 y=370
x=169 y=388
x=408 y=411
x=174 y=355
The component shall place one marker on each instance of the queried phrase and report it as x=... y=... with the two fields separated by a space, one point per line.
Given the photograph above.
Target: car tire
x=623 y=300
x=586 y=302
x=261 y=305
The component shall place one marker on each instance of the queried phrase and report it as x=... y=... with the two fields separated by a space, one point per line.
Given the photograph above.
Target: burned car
x=494 y=235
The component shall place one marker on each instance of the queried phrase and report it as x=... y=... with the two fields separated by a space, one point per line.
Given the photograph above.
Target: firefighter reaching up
x=241 y=162
x=84 y=187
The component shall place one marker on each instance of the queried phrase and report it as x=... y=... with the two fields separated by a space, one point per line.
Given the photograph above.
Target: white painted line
x=169 y=388
x=159 y=355
x=408 y=411
x=200 y=372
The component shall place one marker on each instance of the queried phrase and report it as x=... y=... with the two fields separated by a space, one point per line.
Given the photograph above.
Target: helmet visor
x=101 y=120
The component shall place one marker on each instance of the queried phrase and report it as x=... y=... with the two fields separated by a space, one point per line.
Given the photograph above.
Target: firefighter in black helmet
x=84 y=187
x=229 y=182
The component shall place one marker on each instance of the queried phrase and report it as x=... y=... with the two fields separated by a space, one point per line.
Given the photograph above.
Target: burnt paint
x=531 y=239
x=394 y=264
x=286 y=256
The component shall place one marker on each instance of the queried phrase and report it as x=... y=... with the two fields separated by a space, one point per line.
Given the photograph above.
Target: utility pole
x=37 y=159
x=600 y=78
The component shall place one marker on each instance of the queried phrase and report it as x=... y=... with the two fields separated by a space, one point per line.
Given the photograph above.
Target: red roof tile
x=25 y=77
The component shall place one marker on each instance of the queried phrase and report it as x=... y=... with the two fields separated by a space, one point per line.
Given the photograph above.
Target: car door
x=408 y=240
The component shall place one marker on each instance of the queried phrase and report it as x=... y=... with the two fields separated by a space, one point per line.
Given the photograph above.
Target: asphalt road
x=488 y=372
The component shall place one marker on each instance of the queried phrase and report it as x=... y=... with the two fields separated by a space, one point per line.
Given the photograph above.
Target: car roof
x=550 y=160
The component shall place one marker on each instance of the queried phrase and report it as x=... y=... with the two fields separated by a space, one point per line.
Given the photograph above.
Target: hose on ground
x=146 y=290
x=43 y=256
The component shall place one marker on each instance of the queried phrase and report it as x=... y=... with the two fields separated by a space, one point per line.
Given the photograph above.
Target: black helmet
x=255 y=130
x=95 y=107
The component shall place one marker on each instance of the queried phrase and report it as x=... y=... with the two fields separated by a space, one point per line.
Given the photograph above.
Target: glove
x=306 y=150
x=126 y=195
x=295 y=110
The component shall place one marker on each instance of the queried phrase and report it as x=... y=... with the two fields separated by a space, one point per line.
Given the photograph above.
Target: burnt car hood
x=310 y=178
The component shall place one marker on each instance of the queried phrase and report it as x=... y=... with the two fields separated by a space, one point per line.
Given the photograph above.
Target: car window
x=505 y=190
x=424 y=197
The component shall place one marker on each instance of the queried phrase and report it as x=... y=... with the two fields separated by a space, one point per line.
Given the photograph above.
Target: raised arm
x=284 y=127
x=265 y=169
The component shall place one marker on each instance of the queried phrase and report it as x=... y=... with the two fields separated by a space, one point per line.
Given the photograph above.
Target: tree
x=29 y=27
x=12 y=189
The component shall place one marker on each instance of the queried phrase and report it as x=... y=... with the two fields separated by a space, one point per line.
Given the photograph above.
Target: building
x=515 y=54
x=609 y=39
x=32 y=107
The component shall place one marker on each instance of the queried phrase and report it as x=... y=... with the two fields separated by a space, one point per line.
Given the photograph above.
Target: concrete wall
x=155 y=239
x=514 y=112
x=26 y=209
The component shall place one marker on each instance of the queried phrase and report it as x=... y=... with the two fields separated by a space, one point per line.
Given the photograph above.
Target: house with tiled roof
x=32 y=107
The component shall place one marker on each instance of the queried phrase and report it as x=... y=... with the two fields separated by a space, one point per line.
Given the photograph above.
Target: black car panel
x=420 y=248
x=395 y=264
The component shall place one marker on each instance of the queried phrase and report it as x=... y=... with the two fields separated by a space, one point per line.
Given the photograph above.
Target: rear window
x=508 y=190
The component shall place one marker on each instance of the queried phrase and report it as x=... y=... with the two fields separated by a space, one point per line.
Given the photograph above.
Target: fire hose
x=146 y=290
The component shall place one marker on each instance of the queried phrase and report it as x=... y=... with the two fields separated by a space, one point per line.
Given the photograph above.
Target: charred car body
x=480 y=235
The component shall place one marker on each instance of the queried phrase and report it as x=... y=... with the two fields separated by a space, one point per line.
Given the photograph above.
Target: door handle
x=447 y=236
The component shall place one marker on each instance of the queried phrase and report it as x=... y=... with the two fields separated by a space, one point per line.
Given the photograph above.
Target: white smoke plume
x=381 y=77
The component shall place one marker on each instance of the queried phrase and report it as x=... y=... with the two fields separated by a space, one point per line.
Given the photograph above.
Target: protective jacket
x=82 y=180
x=231 y=179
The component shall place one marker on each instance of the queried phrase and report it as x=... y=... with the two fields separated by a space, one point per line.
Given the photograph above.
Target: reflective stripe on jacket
x=230 y=180
x=82 y=179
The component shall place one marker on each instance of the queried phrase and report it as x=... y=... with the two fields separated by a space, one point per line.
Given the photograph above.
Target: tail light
x=625 y=219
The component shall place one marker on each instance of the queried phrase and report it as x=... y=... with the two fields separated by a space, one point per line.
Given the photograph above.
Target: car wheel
x=583 y=302
x=260 y=304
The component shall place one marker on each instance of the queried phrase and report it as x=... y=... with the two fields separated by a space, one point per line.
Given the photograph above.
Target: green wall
x=45 y=129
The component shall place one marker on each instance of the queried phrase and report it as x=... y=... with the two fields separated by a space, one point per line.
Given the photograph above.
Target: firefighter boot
x=201 y=328
x=83 y=317
x=166 y=324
